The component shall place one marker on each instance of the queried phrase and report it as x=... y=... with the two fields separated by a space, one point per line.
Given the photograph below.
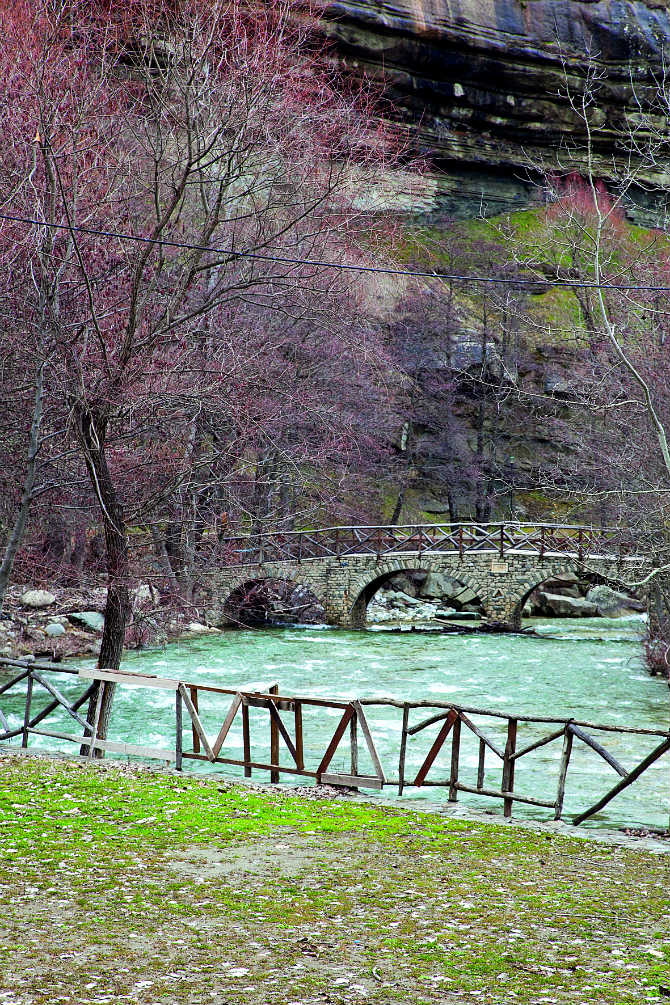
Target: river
x=585 y=669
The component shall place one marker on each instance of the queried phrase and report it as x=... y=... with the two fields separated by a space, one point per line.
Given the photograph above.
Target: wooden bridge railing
x=463 y=538
x=454 y=721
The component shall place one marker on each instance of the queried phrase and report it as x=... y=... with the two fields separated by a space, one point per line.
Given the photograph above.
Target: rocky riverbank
x=56 y=623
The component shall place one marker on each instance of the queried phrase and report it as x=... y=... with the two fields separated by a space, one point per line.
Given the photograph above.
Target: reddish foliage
x=177 y=372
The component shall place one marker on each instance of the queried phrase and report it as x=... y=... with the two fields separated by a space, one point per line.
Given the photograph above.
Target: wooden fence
x=503 y=539
x=284 y=728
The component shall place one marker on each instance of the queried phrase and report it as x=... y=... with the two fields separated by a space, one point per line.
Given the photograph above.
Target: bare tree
x=221 y=142
x=616 y=440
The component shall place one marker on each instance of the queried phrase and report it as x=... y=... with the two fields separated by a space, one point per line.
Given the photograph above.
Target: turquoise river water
x=585 y=669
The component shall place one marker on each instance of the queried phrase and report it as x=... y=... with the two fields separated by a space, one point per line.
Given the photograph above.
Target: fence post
x=455 y=754
x=460 y=541
x=508 y=766
x=565 y=760
x=196 y=737
x=353 y=734
x=403 y=749
x=502 y=540
x=481 y=765
x=299 y=747
x=246 y=739
x=26 y=714
x=178 y=731
x=542 y=541
x=274 y=741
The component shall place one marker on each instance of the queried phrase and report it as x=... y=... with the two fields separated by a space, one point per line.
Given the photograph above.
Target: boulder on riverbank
x=564 y=596
x=613 y=604
x=389 y=606
x=90 y=621
x=37 y=599
x=558 y=605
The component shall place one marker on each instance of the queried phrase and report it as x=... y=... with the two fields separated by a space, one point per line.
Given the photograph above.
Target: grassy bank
x=129 y=886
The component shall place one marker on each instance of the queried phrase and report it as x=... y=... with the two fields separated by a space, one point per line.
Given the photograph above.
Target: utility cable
x=344 y=267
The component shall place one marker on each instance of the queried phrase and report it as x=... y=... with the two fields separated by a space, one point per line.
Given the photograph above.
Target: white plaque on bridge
x=498 y=566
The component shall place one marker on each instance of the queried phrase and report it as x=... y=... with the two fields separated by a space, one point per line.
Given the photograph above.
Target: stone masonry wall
x=344 y=587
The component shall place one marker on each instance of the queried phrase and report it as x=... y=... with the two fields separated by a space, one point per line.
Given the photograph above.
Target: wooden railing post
x=502 y=540
x=246 y=738
x=274 y=741
x=455 y=756
x=542 y=541
x=178 y=730
x=403 y=749
x=299 y=746
x=26 y=714
x=460 y=541
x=353 y=736
x=481 y=765
x=562 y=774
x=580 y=547
x=196 y=738
x=508 y=766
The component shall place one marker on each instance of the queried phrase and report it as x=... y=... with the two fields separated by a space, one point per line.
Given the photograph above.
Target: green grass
x=122 y=885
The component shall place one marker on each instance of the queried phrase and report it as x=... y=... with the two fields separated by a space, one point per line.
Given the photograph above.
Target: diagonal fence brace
x=451 y=718
x=227 y=723
x=195 y=719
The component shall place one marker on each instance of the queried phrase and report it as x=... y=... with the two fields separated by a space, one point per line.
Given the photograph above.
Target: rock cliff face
x=484 y=81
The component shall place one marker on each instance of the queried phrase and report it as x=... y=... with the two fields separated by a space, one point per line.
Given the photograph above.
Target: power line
x=344 y=267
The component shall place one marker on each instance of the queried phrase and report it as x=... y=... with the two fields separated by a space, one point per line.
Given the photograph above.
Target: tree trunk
x=92 y=431
x=18 y=530
x=480 y=492
x=397 y=510
x=261 y=505
x=453 y=508
x=161 y=554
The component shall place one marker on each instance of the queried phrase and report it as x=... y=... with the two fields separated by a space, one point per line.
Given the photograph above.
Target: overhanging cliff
x=483 y=83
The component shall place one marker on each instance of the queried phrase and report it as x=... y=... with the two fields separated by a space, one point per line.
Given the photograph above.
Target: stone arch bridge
x=501 y=563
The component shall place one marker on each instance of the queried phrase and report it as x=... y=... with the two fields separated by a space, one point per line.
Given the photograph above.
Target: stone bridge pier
x=345 y=586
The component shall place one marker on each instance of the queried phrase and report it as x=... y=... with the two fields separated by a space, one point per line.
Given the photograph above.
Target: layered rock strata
x=483 y=83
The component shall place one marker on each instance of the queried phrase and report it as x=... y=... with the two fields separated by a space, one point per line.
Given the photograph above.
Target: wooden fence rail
x=284 y=728
x=567 y=540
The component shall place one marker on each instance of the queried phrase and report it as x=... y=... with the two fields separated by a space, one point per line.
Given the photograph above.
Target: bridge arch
x=366 y=585
x=555 y=570
x=250 y=600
